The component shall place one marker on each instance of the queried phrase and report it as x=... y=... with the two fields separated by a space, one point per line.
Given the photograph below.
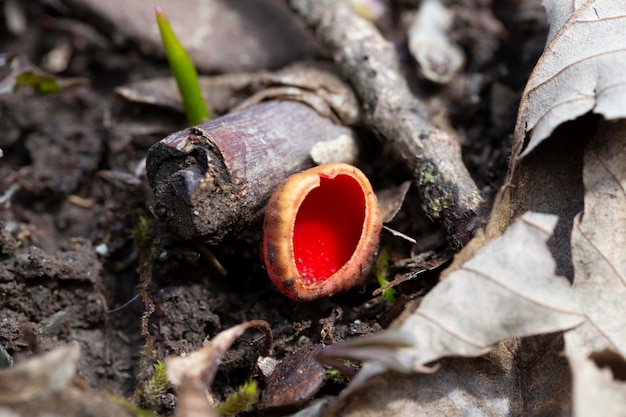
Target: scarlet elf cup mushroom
x=321 y=231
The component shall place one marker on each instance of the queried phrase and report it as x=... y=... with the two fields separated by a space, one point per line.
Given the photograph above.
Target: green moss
x=381 y=270
x=427 y=178
x=435 y=209
x=158 y=384
x=335 y=376
x=435 y=200
x=154 y=387
x=242 y=400
x=143 y=233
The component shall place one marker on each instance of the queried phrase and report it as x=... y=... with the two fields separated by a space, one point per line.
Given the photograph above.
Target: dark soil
x=74 y=255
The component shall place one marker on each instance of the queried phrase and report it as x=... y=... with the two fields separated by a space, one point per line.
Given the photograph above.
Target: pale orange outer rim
x=280 y=216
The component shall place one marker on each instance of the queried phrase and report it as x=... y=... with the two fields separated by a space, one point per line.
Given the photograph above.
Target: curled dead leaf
x=497 y=294
x=193 y=374
x=581 y=70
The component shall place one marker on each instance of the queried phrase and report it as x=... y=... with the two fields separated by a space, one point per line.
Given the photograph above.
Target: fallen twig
x=370 y=64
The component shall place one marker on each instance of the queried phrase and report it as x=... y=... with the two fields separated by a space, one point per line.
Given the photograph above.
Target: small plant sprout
x=321 y=232
x=143 y=233
x=17 y=71
x=184 y=72
x=341 y=375
x=242 y=400
x=154 y=387
x=381 y=268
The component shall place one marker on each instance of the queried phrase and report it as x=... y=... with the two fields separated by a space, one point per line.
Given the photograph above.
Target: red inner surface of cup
x=328 y=227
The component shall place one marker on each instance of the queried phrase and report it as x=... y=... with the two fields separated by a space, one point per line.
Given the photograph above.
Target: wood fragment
x=214 y=179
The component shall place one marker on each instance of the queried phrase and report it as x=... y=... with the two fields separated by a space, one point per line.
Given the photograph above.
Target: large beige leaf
x=582 y=69
x=599 y=246
x=508 y=289
x=499 y=384
x=581 y=72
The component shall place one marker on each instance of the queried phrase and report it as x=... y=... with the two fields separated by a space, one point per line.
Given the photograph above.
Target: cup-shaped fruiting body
x=321 y=232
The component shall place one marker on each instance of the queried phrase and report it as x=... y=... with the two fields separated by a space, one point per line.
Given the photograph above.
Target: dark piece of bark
x=370 y=64
x=215 y=179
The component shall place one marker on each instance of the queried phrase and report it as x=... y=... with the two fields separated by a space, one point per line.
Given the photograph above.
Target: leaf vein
x=585 y=60
x=537 y=226
x=520 y=294
x=599 y=251
x=451 y=331
x=563 y=103
x=603 y=19
x=608 y=169
x=601 y=331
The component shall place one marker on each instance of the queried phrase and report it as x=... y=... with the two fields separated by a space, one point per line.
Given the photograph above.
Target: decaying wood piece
x=215 y=179
x=370 y=64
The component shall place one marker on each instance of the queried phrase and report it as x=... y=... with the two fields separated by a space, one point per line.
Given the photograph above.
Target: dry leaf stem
x=370 y=64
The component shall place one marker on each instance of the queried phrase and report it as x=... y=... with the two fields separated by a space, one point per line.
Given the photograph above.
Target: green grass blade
x=380 y=270
x=184 y=71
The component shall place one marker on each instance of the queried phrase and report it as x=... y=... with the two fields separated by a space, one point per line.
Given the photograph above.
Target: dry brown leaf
x=220 y=35
x=501 y=383
x=39 y=375
x=460 y=387
x=581 y=70
x=42 y=385
x=391 y=199
x=294 y=381
x=193 y=374
x=509 y=289
x=598 y=247
x=224 y=93
x=549 y=180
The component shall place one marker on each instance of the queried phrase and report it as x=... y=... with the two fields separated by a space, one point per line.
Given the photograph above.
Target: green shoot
x=158 y=383
x=16 y=70
x=143 y=233
x=380 y=269
x=184 y=72
x=42 y=83
x=240 y=401
x=335 y=376
x=151 y=389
